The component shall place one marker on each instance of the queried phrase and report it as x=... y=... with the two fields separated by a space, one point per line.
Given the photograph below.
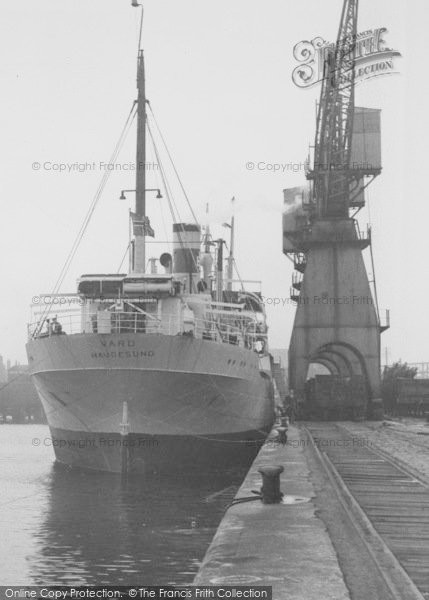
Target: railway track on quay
x=387 y=504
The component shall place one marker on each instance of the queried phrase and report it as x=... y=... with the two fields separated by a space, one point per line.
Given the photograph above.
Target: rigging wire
x=173 y=164
x=89 y=214
x=159 y=184
x=170 y=199
x=168 y=192
x=123 y=258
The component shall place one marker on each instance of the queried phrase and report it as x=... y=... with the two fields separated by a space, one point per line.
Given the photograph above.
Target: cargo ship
x=174 y=366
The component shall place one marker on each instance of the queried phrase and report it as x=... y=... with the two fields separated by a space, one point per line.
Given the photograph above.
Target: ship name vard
x=118 y=343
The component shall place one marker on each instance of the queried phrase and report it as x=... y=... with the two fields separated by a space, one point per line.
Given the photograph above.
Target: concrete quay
x=284 y=545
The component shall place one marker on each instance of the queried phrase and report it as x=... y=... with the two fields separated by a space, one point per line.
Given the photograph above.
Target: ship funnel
x=186 y=253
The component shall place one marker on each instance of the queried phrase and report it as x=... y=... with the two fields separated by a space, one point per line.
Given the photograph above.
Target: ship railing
x=113 y=322
x=73 y=322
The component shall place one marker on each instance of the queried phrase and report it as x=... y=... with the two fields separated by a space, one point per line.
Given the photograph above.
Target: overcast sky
x=219 y=80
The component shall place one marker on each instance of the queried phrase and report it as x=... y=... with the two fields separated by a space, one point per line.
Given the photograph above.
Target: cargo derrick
x=337 y=322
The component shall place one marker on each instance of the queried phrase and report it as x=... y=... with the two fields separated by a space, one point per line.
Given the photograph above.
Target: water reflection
x=96 y=529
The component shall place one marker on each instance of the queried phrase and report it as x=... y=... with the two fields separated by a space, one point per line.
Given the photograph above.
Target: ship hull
x=190 y=402
x=155 y=453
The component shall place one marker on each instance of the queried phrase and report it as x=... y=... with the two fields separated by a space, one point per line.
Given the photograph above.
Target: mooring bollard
x=124 y=429
x=282 y=437
x=270 y=490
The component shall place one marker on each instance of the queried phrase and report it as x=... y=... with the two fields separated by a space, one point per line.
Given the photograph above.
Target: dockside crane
x=331 y=173
x=337 y=323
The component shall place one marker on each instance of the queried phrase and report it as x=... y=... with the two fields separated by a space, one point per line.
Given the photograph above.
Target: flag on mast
x=141 y=226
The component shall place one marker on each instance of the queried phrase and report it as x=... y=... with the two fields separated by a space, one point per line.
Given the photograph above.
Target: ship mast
x=230 y=271
x=140 y=208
